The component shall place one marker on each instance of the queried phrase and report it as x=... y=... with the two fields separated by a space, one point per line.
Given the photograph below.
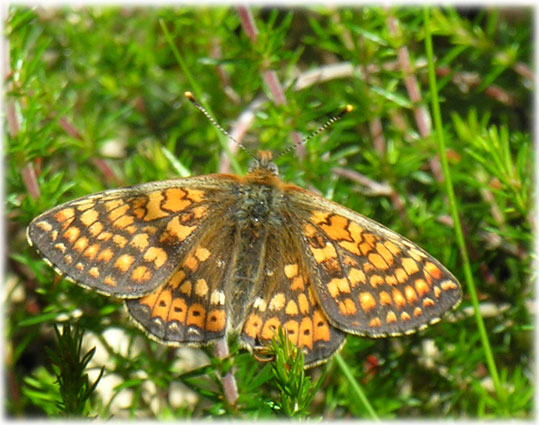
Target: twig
x=229 y=381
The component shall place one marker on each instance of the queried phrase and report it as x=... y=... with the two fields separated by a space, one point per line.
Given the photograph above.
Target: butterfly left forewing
x=369 y=279
x=125 y=242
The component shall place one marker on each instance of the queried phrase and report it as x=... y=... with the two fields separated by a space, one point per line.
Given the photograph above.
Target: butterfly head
x=264 y=163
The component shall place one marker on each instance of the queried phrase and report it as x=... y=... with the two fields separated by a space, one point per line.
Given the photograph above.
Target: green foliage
x=94 y=100
x=69 y=394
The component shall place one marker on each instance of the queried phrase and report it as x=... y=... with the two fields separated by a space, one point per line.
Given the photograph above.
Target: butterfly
x=198 y=258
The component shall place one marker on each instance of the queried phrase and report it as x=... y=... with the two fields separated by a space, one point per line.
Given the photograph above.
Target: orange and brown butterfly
x=199 y=257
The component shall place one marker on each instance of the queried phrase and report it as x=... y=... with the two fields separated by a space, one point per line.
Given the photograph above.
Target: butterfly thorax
x=258 y=219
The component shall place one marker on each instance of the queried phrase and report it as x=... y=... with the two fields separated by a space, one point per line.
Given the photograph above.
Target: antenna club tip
x=189 y=95
x=348 y=108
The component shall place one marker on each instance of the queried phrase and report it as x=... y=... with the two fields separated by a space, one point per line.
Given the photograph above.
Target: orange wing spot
x=401 y=276
x=94 y=272
x=306 y=333
x=336 y=229
x=176 y=232
x=54 y=235
x=277 y=302
x=252 y=326
x=309 y=230
x=391 y=317
x=113 y=204
x=385 y=253
x=291 y=308
x=79 y=267
x=60 y=247
x=323 y=254
x=409 y=265
x=375 y=323
x=405 y=316
x=365 y=248
x=81 y=244
x=124 y=262
x=191 y=263
x=366 y=301
x=104 y=236
x=140 y=241
x=68 y=259
x=376 y=280
x=124 y=221
x=437 y=292
x=109 y=281
x=151 y=230
x=216 y=321
x=394 y=249
x=201 y=288
x=448 y=284
x=95 y=229
x=368 y=244
x=368 y=267
x=118 y=212
x=137 y=206
x=292 y=331
x=153 y=207
x=72 y=233
x=399 y=299
x=428 y=302
x=217 y=297
x=174 y=200
x=157 y=255
x=141 y=274
x=105 y=255
x=378 y=261
x=186 y=288
x=200 y=211
x=337 y=286
x=89 y=217
x=176 y=279
x=410 y=294
x=202 y=254
x=64 y=215
x=385 y=298
x=421 y=287
x=196 y=316
x=417 y=312
x=355 y=231
x=356 y=276
x=320 y=217
x=162 y=306
x=298 y=284
x=149 y=299
x=270 y=327
x=45 y=226
x=178 y=310
x=195 y=195
x=119 y=240
x=132 y=229
x=291 y=270
x=320 y=327
x=433 y=270
x=347 y=307
x=92 y=251
x=304 y=305
x=391 y=280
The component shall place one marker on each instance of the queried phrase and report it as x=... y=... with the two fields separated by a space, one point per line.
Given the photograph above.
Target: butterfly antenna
x=321 y=129
x=201 y=108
